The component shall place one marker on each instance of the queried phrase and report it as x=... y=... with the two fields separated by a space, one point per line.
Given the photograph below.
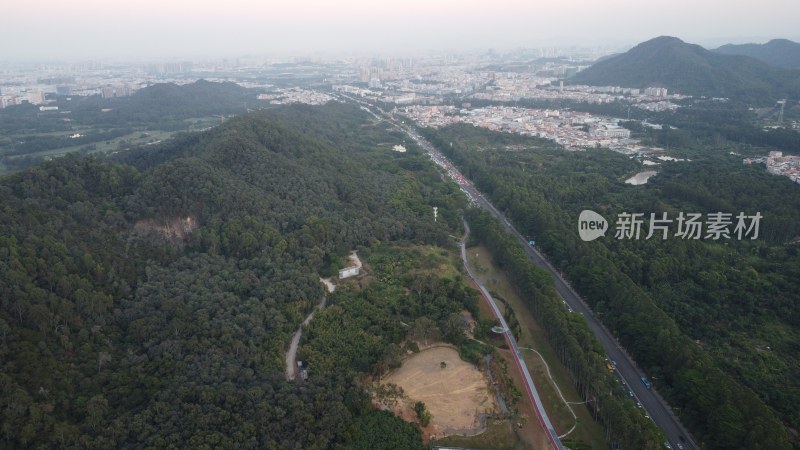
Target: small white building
x=348 y=272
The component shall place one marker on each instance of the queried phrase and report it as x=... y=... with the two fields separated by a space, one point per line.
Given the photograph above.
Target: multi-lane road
x=655 y=406
x=626 y=368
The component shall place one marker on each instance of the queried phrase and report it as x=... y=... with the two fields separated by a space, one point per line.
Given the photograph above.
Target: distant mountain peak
x=691 y=69
x=777 y=52
x=665 y=39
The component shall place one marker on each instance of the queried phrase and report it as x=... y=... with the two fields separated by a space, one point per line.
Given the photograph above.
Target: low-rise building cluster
x=778 y=164
x=572 y=129
x=296 y=95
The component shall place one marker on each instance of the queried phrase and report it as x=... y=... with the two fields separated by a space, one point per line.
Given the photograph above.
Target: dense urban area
x=432 y=92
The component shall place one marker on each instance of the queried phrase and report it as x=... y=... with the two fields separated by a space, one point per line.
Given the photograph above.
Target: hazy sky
x=191 y=28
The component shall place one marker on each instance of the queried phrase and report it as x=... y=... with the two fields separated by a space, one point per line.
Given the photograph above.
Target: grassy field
x=587 y=430
x=499 y=435
x=136 y=138
x=129 y=140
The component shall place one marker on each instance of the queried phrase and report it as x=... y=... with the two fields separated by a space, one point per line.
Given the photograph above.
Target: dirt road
x=291 y=353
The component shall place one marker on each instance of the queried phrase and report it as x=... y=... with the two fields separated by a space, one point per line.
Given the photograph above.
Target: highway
x=658 y=410
x=533 y=394
x=625 y=367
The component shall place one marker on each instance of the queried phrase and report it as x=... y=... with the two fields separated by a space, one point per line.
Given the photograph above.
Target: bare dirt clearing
x=456 y=394
x=328 y=282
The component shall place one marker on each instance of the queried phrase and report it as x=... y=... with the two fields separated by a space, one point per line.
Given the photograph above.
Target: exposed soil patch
x=456 y=393
x=174 y=230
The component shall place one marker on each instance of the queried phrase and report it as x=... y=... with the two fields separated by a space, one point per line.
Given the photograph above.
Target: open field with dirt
x=454 y=395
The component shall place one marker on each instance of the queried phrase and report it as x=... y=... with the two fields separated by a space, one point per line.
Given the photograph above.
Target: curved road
x=291 y=352
x=626 y=368
x=533 y=394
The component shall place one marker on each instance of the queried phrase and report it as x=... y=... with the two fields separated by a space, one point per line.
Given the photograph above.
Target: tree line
x=117 y=332
x=698 y=316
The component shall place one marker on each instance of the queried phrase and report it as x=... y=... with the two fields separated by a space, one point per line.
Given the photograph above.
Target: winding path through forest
x=291 y=354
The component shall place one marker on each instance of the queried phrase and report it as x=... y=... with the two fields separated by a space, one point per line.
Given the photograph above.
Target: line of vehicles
x=665 y=419
x=611 y=365
x=475 y=197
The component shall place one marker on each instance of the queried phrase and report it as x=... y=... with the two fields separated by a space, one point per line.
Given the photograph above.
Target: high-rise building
x=116 y=91
x=36 y=97
x=364 y=74
x=656 y=91
x=9 y=100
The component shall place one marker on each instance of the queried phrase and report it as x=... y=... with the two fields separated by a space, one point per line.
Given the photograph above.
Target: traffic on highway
x=645 y=397
x=630 y=375
x=639 y=388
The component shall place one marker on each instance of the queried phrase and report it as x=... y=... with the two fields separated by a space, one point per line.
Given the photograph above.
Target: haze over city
x=48 y=29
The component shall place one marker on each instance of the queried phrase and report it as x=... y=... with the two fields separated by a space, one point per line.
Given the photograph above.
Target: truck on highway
x=645 y=382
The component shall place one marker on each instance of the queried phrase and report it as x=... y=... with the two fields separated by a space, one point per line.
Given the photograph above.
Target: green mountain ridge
x=27 y=135
x=116 y=333
x=159 y=106
x=690 y=69
x=168 y=103
x=777 y=52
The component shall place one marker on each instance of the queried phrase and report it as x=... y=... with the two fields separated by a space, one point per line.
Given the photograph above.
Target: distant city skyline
x=53 y=29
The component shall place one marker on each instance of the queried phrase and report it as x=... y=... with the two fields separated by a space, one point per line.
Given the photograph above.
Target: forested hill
x=777 y=52
x=149 y=304
x=691 y=69
x=166 y=103
x=162 y=106
x=715 y=324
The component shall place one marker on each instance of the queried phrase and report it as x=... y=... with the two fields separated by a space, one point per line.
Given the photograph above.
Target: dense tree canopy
x=28 y=135
x=715 y=322
x=148 y=302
